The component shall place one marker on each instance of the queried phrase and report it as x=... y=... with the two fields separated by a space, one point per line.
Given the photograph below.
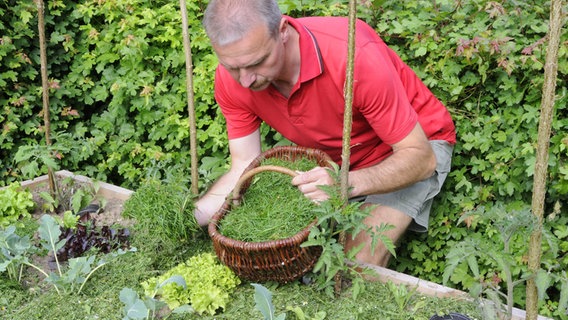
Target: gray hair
x=226 y=21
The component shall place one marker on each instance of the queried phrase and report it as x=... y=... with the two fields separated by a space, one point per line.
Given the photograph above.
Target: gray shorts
x=416 y=200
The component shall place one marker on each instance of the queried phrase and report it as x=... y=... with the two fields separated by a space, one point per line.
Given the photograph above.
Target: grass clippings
x=166 y=208
x=100 y=297
x=271 y=208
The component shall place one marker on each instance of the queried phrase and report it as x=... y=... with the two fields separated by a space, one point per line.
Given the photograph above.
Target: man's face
x=255 y=60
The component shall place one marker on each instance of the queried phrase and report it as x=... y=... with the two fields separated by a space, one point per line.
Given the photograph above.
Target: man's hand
x=308 y=182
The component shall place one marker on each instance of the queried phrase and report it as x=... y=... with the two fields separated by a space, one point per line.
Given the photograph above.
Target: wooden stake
x=541 y=165
x=190 y=98
x=347 y=123
x=45 y=90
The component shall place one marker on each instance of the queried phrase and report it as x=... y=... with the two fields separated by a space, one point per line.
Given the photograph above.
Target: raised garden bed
x=100 y=298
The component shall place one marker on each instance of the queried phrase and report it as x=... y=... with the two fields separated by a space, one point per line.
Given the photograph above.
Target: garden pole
x=190 y=97
x=45 y=88
x=540 y=169
x=347 y=122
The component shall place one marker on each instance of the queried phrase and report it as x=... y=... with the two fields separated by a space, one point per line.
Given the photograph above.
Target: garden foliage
x=117 y=93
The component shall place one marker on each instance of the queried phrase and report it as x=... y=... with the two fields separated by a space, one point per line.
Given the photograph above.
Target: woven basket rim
x=297 y=238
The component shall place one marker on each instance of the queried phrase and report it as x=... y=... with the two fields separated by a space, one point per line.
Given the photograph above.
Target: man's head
x=226 y=21
x=248 y=37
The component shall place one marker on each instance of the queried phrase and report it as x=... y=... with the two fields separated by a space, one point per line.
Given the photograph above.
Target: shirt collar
x=310 y=55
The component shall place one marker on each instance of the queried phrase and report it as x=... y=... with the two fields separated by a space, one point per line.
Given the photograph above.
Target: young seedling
x=498 y=253
x=136 y=308
x=263 y=303
x=336 y=217
x=263 y=299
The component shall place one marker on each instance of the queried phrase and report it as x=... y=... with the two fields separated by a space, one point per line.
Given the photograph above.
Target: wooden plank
x=106 y=190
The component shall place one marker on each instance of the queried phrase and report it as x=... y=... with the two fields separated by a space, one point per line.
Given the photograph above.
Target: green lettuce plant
x=15 y=203
x=210 y=284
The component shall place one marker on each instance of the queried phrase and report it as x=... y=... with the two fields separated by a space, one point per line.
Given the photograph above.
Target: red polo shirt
x=388 y=98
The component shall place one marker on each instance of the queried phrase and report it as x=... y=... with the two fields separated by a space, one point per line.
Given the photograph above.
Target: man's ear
x=284 y=33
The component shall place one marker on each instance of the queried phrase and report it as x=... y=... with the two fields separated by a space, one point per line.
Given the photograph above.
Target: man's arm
x=412 y=160
x=243 y=151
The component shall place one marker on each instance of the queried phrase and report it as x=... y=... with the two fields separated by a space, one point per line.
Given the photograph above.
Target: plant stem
x=21 y=273
x=88 y=276
x=510 y=287
x=43 y=272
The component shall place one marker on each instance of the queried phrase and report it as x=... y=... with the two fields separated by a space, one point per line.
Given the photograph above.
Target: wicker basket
x=281 y=260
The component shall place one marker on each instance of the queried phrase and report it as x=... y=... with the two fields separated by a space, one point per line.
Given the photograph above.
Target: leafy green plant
x=405 y=299
x=263 y=303
x=71 y=196
x=336 y=217
x=495 y=249
x=15 y=203
x=14 y=249
x=35 y=159
x=210 y=285
x=136 y=308
x=69 y=220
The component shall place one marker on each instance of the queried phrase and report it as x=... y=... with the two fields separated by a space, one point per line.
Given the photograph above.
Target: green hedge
x=119 y=108
x=117 y=70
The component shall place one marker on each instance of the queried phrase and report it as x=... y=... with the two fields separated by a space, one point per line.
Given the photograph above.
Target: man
x=290 y=73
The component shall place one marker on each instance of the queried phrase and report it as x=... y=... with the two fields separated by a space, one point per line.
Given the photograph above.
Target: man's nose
x=246 y=77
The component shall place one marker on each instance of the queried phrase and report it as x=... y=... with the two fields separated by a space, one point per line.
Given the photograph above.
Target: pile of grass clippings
x=271 y=208
x=166 y=208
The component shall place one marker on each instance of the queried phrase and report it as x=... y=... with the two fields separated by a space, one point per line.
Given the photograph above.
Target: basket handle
x=252 y=172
